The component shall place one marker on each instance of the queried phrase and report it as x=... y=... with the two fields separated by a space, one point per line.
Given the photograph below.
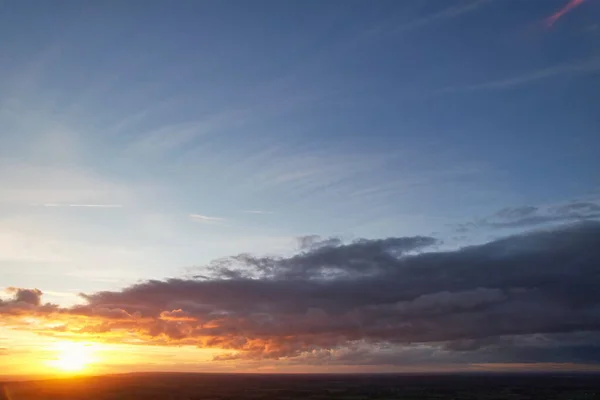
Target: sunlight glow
x=72 y=356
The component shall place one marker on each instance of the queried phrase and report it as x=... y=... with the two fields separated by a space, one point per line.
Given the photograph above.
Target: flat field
x=177 y=386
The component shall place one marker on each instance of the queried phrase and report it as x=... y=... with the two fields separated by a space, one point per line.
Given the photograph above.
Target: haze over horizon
x=315 y=186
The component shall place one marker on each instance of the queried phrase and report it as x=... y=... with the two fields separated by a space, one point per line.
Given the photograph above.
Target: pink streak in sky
x=568 y=7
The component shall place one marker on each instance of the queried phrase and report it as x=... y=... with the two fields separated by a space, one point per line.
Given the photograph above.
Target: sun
x=72 y=356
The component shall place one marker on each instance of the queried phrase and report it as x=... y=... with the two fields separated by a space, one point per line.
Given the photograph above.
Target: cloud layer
x=526 y=298
x=528 y=216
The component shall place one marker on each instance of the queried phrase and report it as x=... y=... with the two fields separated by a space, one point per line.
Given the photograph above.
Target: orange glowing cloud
x=550 y=21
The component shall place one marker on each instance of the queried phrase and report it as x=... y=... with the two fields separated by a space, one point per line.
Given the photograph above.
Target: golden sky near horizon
x=29 y=354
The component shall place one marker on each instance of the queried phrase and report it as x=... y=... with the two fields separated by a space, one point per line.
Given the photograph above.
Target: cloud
x=28 y=296
x=315 y=241
x=527 y=216
x=445 y=14
x=526 y=349
x=526 y=297
x=573 y=68
x=59 y=186
x=205 y=219
x=324 y=258
x=97 y=205
x=24 y=302
x=83 y=205
x=565 y=9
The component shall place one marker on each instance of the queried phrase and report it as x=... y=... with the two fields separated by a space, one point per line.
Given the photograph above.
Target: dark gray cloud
x=377 y=291
x=27 y=296
x=315 y=241
x=575 y=347
x=529 y=297
x=24 y=301
x=325 y=259
x=420 y=355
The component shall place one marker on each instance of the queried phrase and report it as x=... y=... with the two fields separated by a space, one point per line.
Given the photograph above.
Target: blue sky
x=138 y=139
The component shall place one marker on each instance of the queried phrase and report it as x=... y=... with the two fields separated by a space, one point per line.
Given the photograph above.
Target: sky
x=315 y=186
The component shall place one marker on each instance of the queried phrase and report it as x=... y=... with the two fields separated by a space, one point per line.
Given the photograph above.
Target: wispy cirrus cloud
x=579 y=67
x=419 y=19
x=448 y=13
x=205 y=218
x=537 y=215
x=33 y=183
x=83 y=205
x=551 y=20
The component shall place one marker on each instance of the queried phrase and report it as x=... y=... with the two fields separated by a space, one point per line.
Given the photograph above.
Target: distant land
x=204 y=386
